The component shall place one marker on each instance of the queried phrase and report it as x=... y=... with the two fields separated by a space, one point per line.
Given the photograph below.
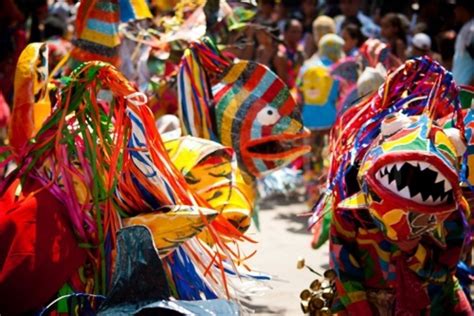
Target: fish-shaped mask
x=257 y=116
x=411 y=177
x=248 y=108
x=393 y=155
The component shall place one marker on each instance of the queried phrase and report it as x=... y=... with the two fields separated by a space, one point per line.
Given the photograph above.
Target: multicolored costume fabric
x=97 y=34
x=399 y=217
x=249 y=109
x=358 y=78
x=132 y=10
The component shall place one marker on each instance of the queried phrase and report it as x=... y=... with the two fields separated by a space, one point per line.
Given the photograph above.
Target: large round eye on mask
x=394 y=123
x=268 y=116
x=456 y=139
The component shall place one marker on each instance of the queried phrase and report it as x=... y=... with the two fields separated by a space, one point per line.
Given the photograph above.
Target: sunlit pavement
x=284 y=237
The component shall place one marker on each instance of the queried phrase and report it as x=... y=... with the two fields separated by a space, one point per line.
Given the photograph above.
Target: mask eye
x=394 y=123
x=268 y=116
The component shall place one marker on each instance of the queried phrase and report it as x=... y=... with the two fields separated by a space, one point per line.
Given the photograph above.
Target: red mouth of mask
x=278 y=147
x=415 y=181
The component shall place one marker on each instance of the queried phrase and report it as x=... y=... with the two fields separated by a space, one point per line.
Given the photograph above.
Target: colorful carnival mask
x=97 y=34
x=396 y=152
x=410 y=178
x=210 y=170
x=467 y=167
x=249 y=109
x=258 y=118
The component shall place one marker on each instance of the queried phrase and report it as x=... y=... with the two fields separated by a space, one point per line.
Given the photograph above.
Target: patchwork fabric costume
x=358 y=78
x=399 y=219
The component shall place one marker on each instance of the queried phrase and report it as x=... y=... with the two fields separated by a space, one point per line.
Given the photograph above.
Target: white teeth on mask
x=399 y=165
x=393 y=186
x=405 y=192
x=423 y=165
x=417 y=198
x=429 y=200
x=447 y=186
x=440 y=178
x=383 y=177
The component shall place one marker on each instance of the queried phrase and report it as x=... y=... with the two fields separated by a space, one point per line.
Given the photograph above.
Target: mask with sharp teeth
x=410 y=177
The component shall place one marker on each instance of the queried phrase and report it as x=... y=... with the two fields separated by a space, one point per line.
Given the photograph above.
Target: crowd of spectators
x=300 y=40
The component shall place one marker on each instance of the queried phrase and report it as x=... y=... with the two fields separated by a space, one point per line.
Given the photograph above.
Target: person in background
x=446 y=42
x=55 y=29
x=282 y=15
x=323 y=25
x=61 y=9
x=353 y=39
x=266 y=12
x=13 y=39
x=463 y=61
x=393 y=31
x=267 y=52
x=421 y=46
x=310 y=12
x=319 y=94
x=351 y=9
x=287 y=68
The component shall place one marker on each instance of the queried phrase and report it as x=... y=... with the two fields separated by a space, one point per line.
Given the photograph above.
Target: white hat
x=421 y=41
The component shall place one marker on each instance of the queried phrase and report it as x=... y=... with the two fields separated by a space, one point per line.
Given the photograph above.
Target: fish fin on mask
x=195 y=99
x=354 y=202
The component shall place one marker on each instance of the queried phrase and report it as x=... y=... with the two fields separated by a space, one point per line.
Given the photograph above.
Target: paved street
x=282 y=239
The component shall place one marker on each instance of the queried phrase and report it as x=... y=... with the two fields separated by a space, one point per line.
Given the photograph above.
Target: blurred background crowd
x=330 y=53
x=283 y=34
